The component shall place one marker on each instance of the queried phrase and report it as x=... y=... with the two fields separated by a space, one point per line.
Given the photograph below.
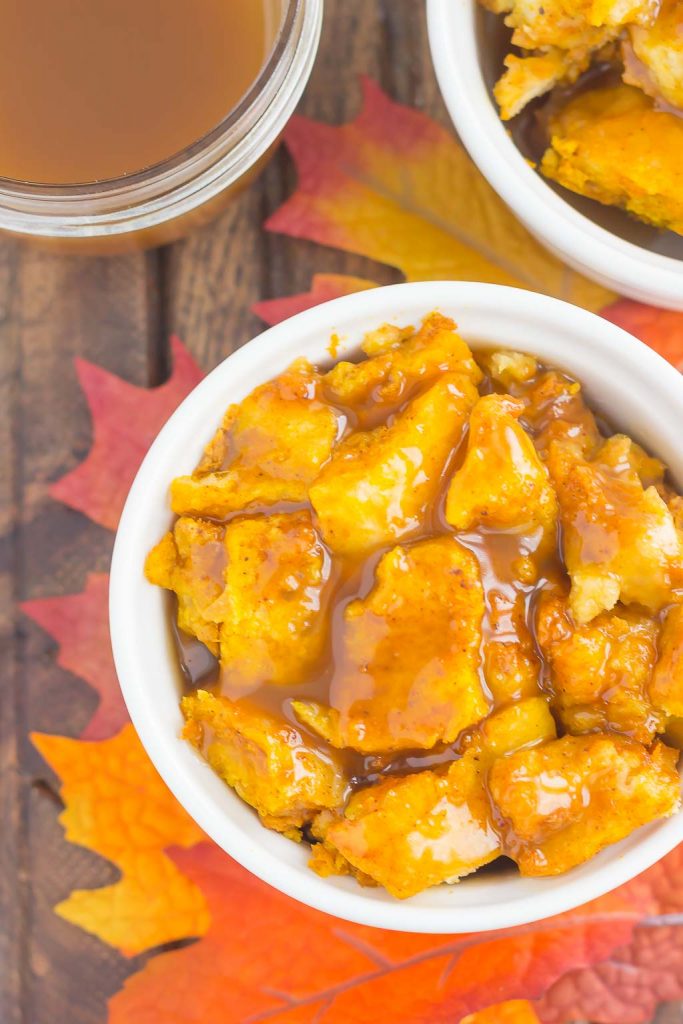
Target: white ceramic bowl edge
x=632 y=384
x=626 y=268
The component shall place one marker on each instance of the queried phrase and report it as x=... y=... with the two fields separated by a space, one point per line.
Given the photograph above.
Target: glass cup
x=163 y=202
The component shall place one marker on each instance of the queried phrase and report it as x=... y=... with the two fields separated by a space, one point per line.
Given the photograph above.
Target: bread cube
x=267 y=762
x=564 y=801
x=407 y=672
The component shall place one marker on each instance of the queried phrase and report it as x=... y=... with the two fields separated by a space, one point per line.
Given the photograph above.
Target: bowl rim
x=188 y=781
x=588 y=247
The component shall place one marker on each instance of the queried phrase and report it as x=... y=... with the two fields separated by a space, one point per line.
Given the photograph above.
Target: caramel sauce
x=498 y=553
x=91 y=91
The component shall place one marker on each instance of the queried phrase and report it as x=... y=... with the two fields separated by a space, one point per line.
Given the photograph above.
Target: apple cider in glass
x=91 y=91
x=125 y=122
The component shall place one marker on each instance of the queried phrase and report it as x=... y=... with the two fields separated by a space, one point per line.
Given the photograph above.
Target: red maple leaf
x=661 y=329
x=627 y=987
x=323 y=288
x=320 y=968
x=80 y=625
x=126 y=419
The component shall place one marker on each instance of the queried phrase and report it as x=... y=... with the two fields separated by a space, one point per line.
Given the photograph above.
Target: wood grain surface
x=119 y=312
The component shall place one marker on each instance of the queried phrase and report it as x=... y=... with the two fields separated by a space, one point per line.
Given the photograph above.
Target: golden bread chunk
x=379 y=485
x=599 y=672
x=623 y=455
x=219 y=494
x=623 y=12
x=407 y=672
x=251 y=591
x=502 y=483
x=414 y=832
x=268 y=448
x=400 y=360
x=269 y=612
x=282 y=426
x=564 y=801
x=381 y=339
x=509 y=368
x=653 y=56
x=527 y=78
x=565 y=24
x=326 y=861
x=666 y=687
x=511 y=666
x=554 y=409
x=610 y=144
x=523 y=723
x=620 y=541
x=577 y=26
x=266 y=761
x=190 y=561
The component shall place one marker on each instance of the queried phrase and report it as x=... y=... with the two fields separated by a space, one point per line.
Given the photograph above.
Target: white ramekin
x=629 y=382
x=582 y=243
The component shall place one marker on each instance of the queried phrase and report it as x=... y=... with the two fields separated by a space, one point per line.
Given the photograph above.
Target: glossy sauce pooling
x=510 y=581
x=90 y=91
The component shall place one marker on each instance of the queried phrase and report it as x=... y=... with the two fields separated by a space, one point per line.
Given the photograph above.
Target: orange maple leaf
x=126 y=419
x=266 y=958
x=661 y=329
x=395 y=186
x=80 y=625
x=117 y=805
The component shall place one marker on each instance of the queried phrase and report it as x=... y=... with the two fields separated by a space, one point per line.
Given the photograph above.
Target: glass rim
x=191 y=176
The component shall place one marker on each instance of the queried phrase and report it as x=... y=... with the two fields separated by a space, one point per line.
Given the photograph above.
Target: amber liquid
x=96 y=89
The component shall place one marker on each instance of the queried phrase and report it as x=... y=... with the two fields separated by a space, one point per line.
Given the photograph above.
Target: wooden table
x=119 y=313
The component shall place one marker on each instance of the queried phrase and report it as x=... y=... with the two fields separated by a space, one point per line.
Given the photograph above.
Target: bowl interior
x=493 y=42
x=629 y=383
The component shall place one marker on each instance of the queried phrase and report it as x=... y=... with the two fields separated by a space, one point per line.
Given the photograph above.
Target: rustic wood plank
x=13 y=883
x=51 y=309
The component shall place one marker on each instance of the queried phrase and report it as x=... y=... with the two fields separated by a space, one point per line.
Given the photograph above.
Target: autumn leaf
x=394 y=186
x=126 y=419
x=80 y=625
x=516 y=1011
x=661 y=329
x=334 y=972
x=627 y=987
x=323 y=288
x=117 y=806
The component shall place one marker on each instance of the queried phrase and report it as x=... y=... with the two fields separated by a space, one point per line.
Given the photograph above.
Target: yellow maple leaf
x=394 y=186
x=117 y=805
